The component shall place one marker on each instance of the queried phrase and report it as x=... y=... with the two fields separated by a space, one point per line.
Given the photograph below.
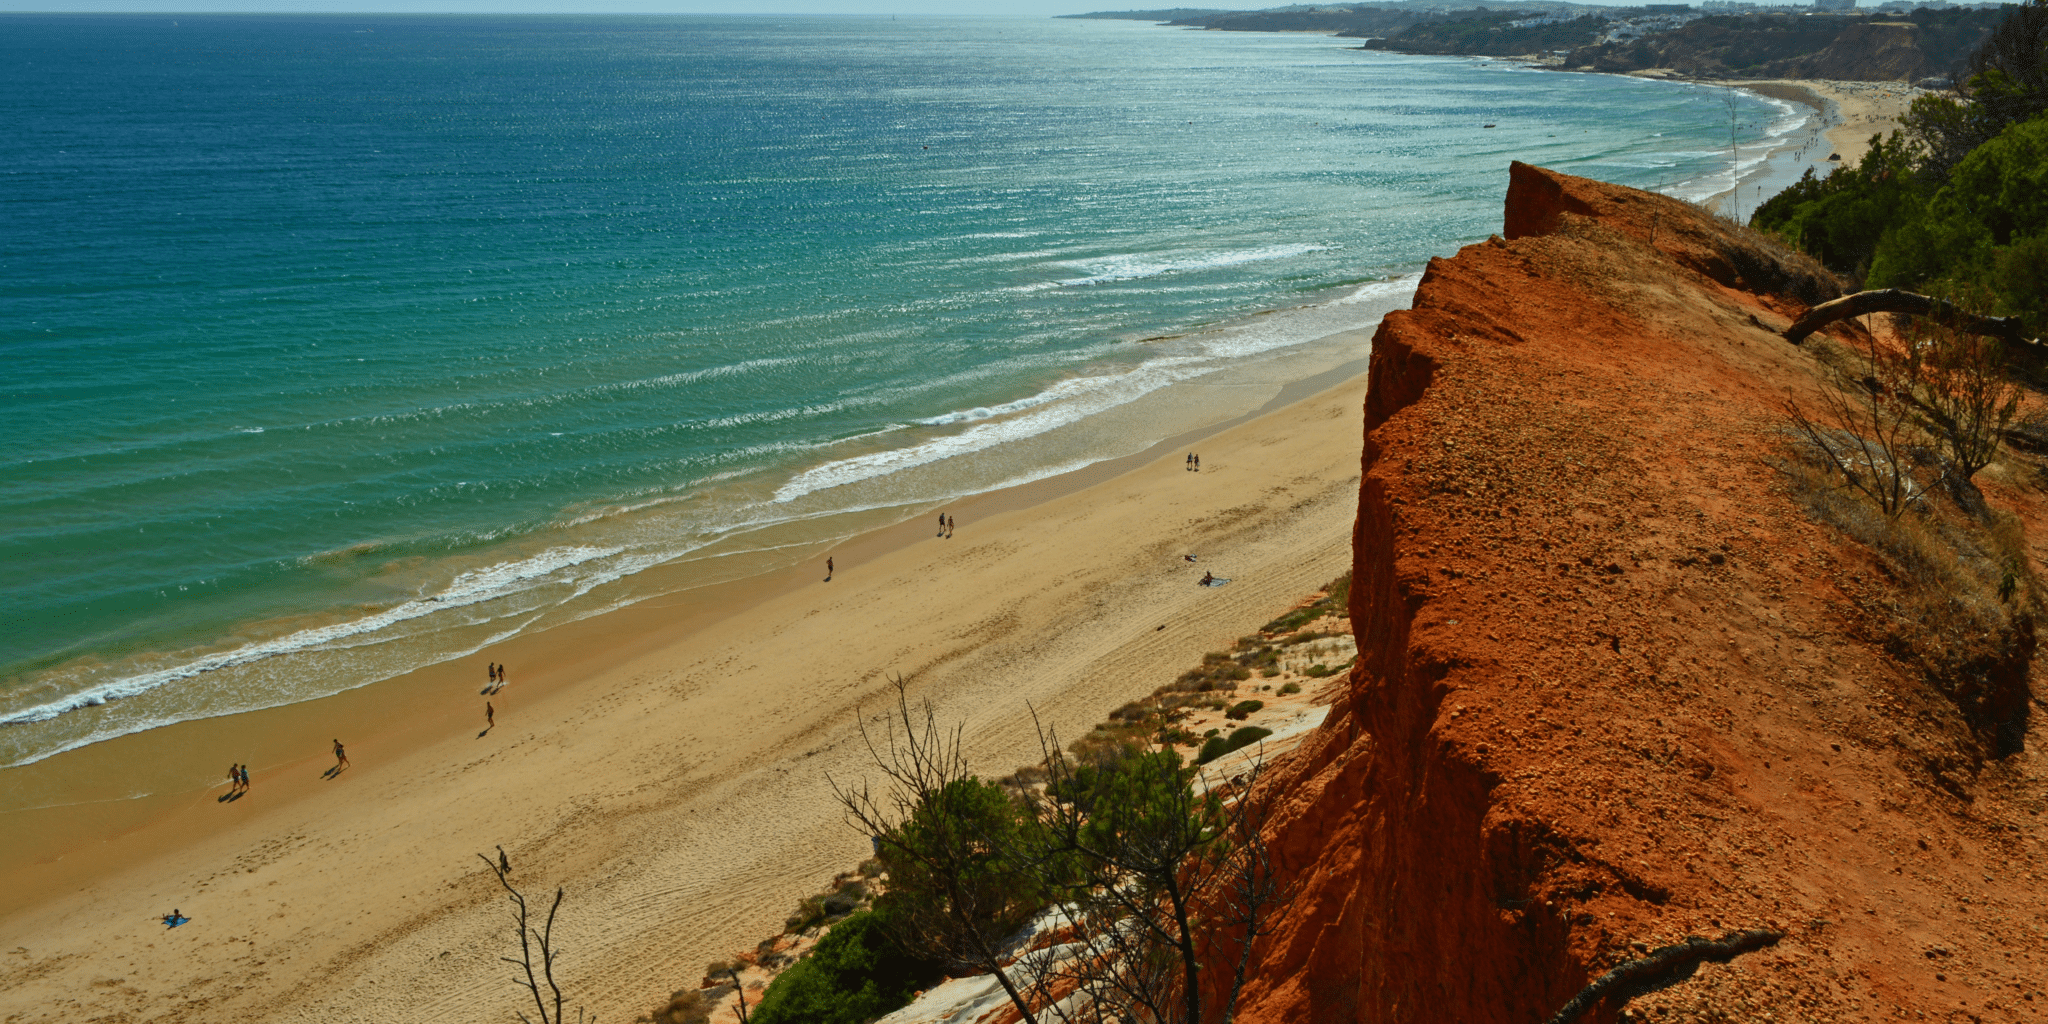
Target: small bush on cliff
x=685 y=1007
x=1163 y=878
x=856 y=973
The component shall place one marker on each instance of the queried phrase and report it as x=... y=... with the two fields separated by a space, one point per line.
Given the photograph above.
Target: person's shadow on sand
x=486 y=732
x=332 y=773
x=229 y=797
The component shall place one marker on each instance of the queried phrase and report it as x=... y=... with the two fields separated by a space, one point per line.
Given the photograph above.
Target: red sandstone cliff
x=1613 y=689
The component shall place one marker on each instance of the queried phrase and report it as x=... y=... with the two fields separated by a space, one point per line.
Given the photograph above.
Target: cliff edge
x=1617 y=685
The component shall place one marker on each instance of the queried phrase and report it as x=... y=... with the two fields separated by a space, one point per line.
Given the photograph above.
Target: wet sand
x=668 y=764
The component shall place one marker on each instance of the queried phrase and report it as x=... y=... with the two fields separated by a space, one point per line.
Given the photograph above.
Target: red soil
x=1611 y=689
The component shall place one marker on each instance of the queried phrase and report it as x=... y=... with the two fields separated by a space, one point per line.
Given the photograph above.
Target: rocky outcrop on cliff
x=1613 y=689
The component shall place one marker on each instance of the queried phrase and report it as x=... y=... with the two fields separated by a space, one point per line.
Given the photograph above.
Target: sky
x=953 y=8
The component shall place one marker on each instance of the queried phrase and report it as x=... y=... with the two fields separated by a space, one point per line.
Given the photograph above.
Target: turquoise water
x=338 y=345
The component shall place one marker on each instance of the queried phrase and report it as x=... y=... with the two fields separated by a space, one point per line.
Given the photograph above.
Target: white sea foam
x=1137 y=266
x=468 y=588
x=1069 y=401
x=1789 y=120
x=1073 y=399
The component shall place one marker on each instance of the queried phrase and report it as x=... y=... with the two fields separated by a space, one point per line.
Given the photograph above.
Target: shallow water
x=342 y=344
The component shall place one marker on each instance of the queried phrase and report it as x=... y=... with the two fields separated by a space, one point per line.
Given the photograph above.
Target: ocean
x=341 y=345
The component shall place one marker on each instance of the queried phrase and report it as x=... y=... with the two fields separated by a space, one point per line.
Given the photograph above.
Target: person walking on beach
x=243 y=771
x=828 y=567
x=490 y=717
x=1188 y=464
x=1198 y=463
x=494 y=676
x=942 y=524
x=234 y=778
x=340 y=756
x=950 y=523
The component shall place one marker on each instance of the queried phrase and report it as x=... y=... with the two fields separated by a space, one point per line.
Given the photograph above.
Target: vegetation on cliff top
x=1955 y=201
x=1882 y=47
x=1494 y=34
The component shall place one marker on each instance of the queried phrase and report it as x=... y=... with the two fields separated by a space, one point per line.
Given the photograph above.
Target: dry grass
x=1212 y=686
x=1762 y=262
x=1961 y=601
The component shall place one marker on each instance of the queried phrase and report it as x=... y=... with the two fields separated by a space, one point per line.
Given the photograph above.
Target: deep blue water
x=337 y=344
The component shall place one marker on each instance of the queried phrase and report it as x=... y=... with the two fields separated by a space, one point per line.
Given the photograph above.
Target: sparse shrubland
x=1907 y=425
x=964 y=862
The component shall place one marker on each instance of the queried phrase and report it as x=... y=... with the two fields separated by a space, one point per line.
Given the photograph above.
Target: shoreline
x=1846 y=115
x=622 y=734
x=48 y=789
x=1259 y=348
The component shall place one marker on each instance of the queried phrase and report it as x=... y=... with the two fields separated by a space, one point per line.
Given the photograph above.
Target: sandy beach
x=667 y=764
x=1851 y=112
x=1845 y=116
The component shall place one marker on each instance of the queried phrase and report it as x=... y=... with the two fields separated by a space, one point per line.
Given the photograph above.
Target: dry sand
x=1853 y=111
x=668 y=764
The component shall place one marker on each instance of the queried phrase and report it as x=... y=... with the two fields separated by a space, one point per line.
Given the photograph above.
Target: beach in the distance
x=1845 y=116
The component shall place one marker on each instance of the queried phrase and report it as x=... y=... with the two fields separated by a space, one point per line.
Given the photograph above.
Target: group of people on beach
x=238 y=774
x=946 y=525
x=1194 y=464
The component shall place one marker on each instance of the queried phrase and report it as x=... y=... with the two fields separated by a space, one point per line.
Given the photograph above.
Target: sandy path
x=680 y=795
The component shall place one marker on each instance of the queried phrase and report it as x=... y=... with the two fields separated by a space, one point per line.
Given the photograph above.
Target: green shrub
x=1221 y=745
x=1318 y=671
x=955 y=843
x=855 y=974
x=1243 y=709
x=1291 y=688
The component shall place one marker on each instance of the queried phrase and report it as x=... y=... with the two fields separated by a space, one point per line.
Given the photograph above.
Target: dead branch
x=527 y=936
x=924 y=763
x=1663 y=968
x=1893 y=300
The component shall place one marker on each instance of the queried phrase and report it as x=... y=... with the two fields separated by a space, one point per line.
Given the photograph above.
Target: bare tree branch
x=528 y=935
x=1893 y=300
x=927 y=770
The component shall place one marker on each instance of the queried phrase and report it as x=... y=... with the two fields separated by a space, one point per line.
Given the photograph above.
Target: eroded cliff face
x=1611 y=691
